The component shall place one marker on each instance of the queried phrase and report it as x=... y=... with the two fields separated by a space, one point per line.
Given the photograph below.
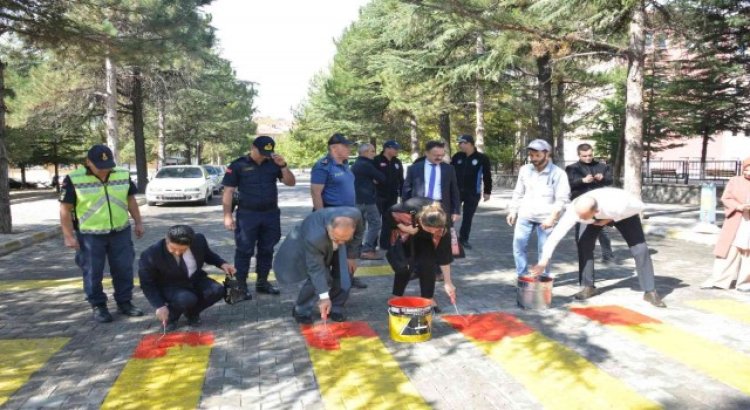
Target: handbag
x=233 y=292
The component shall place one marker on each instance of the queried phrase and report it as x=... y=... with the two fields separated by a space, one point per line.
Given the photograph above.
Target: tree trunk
x=479 y=137
x=544 y=92
x=413 y=137
x=704 y=152
x=198 y=153
x=634 y=103
x=444 y=127
x=6 y=221
x=110 y=106
x=139 y=140
x=619 y=160
x=560 y=134
x=23 y=173
x=161 y=150
x=56 y=164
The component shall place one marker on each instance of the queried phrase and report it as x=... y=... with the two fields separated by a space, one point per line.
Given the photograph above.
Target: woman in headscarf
x=732 y=251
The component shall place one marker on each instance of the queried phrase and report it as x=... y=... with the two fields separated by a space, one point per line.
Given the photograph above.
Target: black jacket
x=157 y=268
x=365 y=176
x=471 y=171
x=576 y=172
x=394 y=177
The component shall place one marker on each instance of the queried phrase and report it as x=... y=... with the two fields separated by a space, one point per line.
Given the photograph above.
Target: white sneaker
x=745 y=287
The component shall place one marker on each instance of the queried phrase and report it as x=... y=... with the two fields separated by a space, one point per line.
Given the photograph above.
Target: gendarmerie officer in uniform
x=390 y=191
x=258 y=218
x=473 y=170
x=94 y=204
x=332 y=184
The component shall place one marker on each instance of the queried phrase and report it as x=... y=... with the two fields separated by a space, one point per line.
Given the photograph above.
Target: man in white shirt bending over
x=594 y=210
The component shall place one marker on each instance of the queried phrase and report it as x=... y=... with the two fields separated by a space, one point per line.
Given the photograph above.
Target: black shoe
x=301 y=319
x=654 y=299
x=128 y=309
x=357 y=283
x=466 y=244
x=585 y=293
x=608 y=260
x=171 y=326
x=337 y=317
x=193 y=321
x=267 y=288
x=101 y=313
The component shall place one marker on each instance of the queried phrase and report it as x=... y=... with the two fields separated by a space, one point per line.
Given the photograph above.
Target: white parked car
x=180 y=183
x=216 y=175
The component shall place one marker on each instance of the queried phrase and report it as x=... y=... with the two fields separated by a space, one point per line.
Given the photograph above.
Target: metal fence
x=687 y=172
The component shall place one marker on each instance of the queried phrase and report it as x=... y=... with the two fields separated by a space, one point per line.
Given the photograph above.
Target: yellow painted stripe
x=173 y=380
x=715 y=360
x=730 y=308
x=557 y=376
x=374 y=270
x=20 y=358
x=360 y=373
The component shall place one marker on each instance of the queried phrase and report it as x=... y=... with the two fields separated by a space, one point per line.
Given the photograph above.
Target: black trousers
x=632 y=231
x=387 y=225
x=192 y=302
x=470 y=204
x=427 y=262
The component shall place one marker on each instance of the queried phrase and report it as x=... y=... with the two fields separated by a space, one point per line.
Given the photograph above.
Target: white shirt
x=190 y=262
x=612 y=203
x=437 y=192
x=539 y=194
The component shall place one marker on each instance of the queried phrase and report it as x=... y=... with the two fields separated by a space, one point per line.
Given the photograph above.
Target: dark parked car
x=16 y=184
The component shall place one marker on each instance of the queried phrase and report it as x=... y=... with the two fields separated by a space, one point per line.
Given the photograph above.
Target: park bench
x=720 y=173
x=663 y=173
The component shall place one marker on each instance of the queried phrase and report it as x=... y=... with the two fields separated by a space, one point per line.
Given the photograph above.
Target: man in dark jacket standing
x=586 y=175
x=366 y=176
x=473 y=170
x=390 y=190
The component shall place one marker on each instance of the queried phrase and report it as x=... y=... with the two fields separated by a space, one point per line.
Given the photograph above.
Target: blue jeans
x=521 y=237
x=117 y=249
x=261 y=229
x=372 y=216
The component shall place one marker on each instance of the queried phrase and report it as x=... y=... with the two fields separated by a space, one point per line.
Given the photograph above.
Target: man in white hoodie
x=594 y=210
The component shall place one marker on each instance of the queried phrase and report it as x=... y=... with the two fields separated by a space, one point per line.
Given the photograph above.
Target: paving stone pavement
x=260 y=360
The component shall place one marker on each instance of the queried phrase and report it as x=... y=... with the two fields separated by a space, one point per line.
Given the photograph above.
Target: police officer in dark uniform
x=258 y=219
x=332 y=184
x=390 y=191
x=473 y=170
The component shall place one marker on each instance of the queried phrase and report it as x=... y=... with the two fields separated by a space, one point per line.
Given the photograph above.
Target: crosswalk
x=356 y=368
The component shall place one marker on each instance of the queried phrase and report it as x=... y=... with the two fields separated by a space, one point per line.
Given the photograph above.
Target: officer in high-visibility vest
x=94 y=204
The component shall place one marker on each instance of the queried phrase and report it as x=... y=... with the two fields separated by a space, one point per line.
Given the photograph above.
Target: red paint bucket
x=410 y=319
x=534 y=292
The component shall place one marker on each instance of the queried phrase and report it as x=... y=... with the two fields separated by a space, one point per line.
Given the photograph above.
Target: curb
x=39 y=236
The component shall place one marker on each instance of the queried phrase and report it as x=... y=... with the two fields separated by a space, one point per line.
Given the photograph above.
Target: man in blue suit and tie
x=173 y=280
x=434 y=179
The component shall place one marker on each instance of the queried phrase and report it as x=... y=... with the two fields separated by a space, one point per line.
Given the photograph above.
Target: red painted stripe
x=319 y=337
x=489 y=327
x=614 y=315
x=153 y=345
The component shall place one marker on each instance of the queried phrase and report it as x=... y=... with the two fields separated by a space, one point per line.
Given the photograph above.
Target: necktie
x=431 y=184
x=183 y=266
x=346 y=281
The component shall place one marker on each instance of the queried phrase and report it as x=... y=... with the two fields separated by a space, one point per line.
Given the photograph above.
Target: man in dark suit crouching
x=173 y=280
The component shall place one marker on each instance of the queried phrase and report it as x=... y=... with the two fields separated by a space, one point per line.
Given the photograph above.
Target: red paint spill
x=614 y=315
x=409 y=302
x=154 y=345
x=316 y=336
x=488 y=327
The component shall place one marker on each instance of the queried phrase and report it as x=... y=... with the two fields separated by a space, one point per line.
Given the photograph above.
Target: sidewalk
x=36 y=218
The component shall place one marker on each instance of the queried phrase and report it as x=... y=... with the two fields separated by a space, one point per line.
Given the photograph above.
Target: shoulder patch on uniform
x=324 y=161
x=229 y=170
